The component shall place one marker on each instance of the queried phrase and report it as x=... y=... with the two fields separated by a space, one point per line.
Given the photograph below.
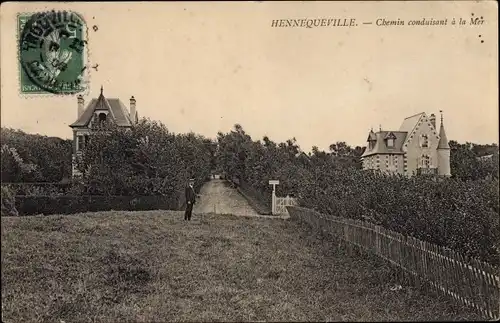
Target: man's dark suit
x=190 y=200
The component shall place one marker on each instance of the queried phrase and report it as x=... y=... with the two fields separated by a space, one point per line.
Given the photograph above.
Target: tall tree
x=30 y=157
x=466 y=162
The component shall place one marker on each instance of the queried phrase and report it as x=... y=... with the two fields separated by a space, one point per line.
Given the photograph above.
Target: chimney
x=133 y=112
x=81 y=102
x=432 y=118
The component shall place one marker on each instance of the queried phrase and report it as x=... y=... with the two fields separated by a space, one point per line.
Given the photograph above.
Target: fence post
x=273 y=199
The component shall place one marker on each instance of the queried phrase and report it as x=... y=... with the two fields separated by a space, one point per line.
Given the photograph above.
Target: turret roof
x=443 y=140
x=117 y=110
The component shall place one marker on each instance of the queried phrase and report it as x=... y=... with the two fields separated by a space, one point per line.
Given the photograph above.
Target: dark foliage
x=67 y=204
x=145 y=160
x=34 y=158
x=461 y=213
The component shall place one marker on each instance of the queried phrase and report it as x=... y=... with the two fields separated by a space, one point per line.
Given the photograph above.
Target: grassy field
x=152 y=266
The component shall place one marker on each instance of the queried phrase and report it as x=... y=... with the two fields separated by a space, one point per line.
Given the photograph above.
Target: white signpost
x=273 y=183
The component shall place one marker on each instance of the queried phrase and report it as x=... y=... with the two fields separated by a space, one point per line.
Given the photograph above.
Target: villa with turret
x=98 y=113
x=417 y=148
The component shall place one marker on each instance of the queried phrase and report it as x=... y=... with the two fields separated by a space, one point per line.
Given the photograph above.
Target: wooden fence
x=468 y=281
x=283 y=202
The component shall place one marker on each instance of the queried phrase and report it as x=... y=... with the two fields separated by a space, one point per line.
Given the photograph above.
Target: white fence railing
x=280 y=204
x=470 y=282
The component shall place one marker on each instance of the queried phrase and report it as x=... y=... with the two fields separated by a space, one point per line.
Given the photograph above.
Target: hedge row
x=35 y=205
x=463 y=216
x=42 y=189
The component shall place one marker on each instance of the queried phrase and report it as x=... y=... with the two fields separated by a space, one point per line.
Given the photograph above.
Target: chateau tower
x=443 y=151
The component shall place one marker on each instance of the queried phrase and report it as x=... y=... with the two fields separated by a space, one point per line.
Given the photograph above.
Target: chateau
x=98 y=113
x=415 y=149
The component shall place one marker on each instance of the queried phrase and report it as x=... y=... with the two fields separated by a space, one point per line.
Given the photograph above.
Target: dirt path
x=218 y=197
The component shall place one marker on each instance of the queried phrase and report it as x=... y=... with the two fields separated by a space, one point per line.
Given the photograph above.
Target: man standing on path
x=190 y=200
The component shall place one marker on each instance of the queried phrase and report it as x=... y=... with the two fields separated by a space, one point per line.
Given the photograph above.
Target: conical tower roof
x=101 y=103
x=443 y=140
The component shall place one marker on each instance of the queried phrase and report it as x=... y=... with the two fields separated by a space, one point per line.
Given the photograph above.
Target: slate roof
x=443 y=141
x=381 y=144
x=406 y=127
x=405 y=130
x=409 y=123
x=117 y=110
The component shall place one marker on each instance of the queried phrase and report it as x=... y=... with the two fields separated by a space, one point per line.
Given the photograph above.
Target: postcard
x=185 y=156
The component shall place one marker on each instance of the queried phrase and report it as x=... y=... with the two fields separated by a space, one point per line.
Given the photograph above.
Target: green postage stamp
x=52 y=50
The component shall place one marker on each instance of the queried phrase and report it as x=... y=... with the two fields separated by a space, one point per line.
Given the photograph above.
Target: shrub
x=34 y=158
x=145 y=160
x=449 y=212
x=33 y=205
x=38 y=189
x=8 y=203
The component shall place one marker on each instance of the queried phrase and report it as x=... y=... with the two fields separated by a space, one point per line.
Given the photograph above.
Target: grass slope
x=152 y=266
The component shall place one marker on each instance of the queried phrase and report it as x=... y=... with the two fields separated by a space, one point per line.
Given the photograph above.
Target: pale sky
x=203 y=67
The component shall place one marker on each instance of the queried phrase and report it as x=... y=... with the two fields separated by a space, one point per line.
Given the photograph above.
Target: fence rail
x=283 y=202
x=470 y=282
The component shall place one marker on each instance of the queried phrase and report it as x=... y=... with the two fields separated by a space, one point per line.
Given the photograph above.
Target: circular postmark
x=51 y=51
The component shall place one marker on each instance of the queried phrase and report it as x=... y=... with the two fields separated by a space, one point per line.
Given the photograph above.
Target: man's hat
x=191 y=179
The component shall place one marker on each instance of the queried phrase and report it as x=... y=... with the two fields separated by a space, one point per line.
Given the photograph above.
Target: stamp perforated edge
x=86 y=60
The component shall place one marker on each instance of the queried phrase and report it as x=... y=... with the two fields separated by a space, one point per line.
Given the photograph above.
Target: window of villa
x=80 y=143
x=426 y=161
x=390 y=142
x=425 y=141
